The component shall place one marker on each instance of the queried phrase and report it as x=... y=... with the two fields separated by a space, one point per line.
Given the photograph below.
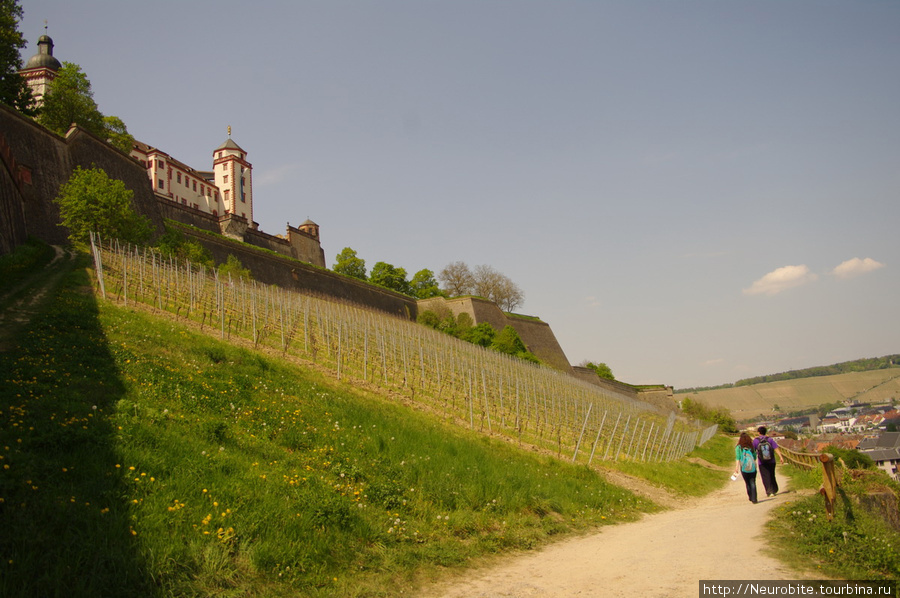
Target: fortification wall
x=12 y=203
x=292 y=274
x=45 y=159
x=537 y=335
x=48 y=160
x=661 y=396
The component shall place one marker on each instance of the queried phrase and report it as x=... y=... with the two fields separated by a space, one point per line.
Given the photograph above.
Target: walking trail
x=717 y=537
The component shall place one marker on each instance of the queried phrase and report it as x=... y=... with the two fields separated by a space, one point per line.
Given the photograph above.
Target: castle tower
x=41 y=69
x=234 y=179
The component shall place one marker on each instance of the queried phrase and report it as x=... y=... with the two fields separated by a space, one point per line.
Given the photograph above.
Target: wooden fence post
x=829 y=483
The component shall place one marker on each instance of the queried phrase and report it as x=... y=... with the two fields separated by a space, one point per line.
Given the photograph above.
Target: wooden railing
x=830 y=479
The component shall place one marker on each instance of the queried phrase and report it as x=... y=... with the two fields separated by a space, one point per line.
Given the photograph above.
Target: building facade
x=41 y=69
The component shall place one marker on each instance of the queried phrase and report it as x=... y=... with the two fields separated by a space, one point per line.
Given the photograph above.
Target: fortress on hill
x=215 y=208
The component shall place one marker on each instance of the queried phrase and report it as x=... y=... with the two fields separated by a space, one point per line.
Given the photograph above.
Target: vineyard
x=484 y=390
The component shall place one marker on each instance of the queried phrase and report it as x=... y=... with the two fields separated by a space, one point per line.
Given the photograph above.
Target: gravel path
x=717 y=537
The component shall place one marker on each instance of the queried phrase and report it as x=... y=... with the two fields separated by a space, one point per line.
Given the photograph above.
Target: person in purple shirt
x=766 y=450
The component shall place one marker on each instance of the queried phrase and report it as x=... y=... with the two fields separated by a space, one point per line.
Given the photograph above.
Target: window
x=183 y=201
x=215 y=212
x=224 y=166
x=195 y=185
x=202 y=189
x=179 y=178
x=227 y=194
x=162 y=184
x=161 y=164
x=225 y=179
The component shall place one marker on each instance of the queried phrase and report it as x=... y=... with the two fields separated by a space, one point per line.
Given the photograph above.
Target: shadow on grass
x=64 y=519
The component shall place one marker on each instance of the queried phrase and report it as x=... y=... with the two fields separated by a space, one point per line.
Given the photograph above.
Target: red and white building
x=226 y=189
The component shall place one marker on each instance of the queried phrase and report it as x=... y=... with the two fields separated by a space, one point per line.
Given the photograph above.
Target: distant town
x=871 y=429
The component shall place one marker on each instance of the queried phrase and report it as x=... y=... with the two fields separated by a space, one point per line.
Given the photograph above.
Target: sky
x=690 y=191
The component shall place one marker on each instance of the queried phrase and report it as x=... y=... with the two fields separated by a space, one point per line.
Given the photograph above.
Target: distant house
x=804 y=424
x=832 y=423
x=885 y=451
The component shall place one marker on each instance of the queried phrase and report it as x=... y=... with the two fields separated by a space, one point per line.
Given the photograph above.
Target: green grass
x=140 y=458
x=18 y=266
x=857 y=544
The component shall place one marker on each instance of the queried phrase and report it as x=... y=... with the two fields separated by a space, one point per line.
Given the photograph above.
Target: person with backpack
x=745 y=463
x=767 y=449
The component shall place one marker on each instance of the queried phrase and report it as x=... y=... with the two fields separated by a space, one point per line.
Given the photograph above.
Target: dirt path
x=28 y=295
x=662 y=555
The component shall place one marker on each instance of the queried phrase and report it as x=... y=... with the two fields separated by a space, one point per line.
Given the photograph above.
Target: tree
x=508 y=341
x=91 y=201
x=69 y=100
x=234 y=268
x=14 y=91
x=601 y=369
x=457 y=279
x=698 y=410
x=349 y=264
x=482 y=334
x=174 y=244
x=496 y=287
x=117 y=134
x=389 y=277
x=424 y=285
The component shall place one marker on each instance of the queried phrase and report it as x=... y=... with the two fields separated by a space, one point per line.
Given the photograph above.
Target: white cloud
x=710 y=362
x=781 y=279
x=855 y=267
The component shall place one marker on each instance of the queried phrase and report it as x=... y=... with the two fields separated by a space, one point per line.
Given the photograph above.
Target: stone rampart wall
x=293 y=274
x=661 y=396
x=537 y=335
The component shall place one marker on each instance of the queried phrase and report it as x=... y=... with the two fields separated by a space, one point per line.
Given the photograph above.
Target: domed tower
x=41 y=69
x=234 y=179
x=310 y=228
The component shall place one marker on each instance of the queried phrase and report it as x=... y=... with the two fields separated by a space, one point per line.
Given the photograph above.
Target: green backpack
x=748 y=460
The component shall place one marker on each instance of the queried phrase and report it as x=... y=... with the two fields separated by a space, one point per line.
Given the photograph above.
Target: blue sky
x=692 y=192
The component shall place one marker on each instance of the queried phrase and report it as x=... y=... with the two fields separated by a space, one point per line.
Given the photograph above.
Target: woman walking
x=745 y=463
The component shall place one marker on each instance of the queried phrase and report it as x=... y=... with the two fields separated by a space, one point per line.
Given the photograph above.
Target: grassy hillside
x=791 y=395
x=140 y=458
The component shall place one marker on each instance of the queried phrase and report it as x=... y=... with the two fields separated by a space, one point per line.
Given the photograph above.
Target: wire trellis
x=468 y=384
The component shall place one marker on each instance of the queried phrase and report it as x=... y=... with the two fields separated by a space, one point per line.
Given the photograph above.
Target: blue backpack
x=748 y=460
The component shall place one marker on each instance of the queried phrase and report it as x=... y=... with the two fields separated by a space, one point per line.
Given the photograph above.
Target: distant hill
x=864 y=380
x=846 y=367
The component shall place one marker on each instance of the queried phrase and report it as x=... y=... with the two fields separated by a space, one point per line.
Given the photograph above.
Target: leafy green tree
x=390 y=277
x=853 y=458
x=424 y=285
x=349 y=264
x=429 y=318
x=91 y=201
x=483 y=334
x=508 y=341
x=699 y=410
x=234 y=268
x=601 y=369
x=117 y=134
x=174 y=244
x=14 y=91
x=69 y=100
